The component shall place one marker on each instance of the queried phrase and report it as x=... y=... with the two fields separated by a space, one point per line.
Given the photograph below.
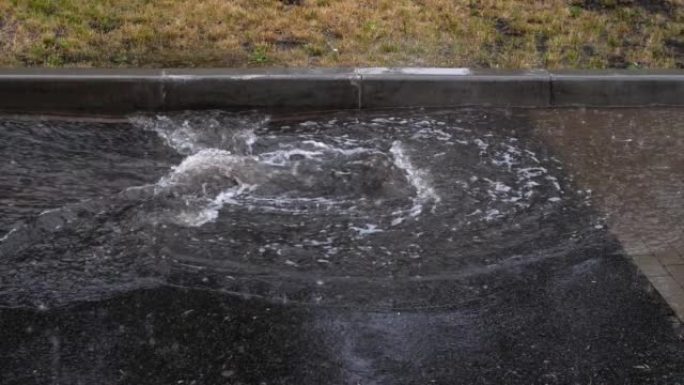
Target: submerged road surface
x=395 y=247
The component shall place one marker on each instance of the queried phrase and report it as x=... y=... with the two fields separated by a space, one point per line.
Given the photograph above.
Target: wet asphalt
x=546 y=295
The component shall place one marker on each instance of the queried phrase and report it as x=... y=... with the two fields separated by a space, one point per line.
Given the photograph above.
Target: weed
x=45 y=7
x=575 y=11
x=259 y=55
x=314 y=50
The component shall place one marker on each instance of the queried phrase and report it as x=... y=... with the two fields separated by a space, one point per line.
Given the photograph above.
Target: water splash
x=344 y=197
x=418 y=178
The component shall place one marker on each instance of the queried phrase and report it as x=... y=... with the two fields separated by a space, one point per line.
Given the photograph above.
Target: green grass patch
x=243 y=33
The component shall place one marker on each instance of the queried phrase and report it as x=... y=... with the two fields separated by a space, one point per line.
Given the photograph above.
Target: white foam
x=240 y=171
x=502 y=187
x=528 y=178
x=285 y=204
x=210 y=212
x=554 y=181
x=183 y=138
x=500 y=191
x=244 y=175
x=481 y=144
x=6 y=236
x=343 y=151
x=505 y=159
x=188 y=137
x=213 y=160
x=369 y=229
x=532 y=172
x=281 y=158
x=248 y=137
x=48 y=211
x=417 y=177
x=431 y=133
x=493 y=214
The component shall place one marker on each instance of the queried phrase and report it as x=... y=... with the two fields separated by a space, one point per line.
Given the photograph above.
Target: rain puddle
x=244 y=198
x=390 y=239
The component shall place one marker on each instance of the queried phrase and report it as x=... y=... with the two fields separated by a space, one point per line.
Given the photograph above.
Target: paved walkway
x=631 y=162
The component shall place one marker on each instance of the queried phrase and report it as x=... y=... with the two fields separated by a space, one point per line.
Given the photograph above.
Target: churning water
x=395 y=247
x=287 y=209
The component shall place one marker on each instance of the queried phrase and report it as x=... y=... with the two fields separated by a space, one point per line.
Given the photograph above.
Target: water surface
x=415 y=246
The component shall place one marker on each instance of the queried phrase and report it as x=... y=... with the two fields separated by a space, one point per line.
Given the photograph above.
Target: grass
x=244 y=33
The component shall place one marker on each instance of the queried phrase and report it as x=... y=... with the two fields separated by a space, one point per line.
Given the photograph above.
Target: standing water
x=352 y=247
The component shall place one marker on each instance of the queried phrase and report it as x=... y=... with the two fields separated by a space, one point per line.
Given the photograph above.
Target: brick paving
x=632 y=162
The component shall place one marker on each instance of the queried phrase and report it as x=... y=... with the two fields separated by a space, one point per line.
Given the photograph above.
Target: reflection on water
x=466 y=246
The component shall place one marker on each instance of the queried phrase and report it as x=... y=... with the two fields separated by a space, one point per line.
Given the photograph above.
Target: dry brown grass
x=238 y=33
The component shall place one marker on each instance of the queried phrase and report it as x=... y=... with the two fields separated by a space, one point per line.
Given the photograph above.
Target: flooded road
x=463 y=246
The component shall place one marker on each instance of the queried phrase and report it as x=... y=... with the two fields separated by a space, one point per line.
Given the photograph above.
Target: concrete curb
x=117 y=91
